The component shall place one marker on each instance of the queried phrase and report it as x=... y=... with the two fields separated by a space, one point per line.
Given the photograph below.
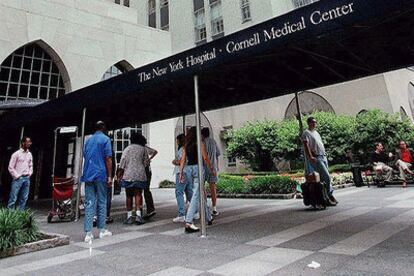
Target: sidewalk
x=370 y=232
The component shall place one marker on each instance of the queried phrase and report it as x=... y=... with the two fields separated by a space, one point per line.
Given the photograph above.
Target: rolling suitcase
x=314 y=192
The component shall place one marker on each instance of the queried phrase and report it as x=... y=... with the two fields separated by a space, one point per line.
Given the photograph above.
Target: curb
x=51 y=240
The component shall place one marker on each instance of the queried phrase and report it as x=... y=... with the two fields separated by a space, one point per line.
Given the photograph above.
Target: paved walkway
x=371 y=232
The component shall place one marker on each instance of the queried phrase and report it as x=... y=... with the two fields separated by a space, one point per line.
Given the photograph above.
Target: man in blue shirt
x=97 y=175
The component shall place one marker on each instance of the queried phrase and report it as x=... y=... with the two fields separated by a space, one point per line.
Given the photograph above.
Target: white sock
x=214 y=208
x=138 y=213
x=129 y=214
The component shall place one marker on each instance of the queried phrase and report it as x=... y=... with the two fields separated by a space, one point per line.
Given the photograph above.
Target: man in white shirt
x=316 y=156
x=20 y=168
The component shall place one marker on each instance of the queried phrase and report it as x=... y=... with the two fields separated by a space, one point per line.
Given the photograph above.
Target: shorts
x=131 y=192
x=209 y=177
x=134 y=184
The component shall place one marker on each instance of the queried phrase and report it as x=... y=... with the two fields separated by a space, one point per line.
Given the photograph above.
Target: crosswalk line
x=49 y=262
x=309 y=227
x=234 y=218
x=114 y=239
x=362 y=241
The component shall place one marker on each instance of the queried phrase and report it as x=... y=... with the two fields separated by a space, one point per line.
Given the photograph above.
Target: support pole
x=80 y=162
x=200 y=160
x=21 y=136
x=299 y=117
x=299 y=114
x=54 y=164
x=184 y=124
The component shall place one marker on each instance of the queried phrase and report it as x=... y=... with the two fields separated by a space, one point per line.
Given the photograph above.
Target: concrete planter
x=50 y=241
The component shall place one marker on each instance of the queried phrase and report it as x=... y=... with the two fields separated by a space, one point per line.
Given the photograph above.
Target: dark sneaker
x=109 y=220
x=150 y=214
x=333 y=199
x=139 y=220
x=129 y=221
x=215 y=213
x=210 y=222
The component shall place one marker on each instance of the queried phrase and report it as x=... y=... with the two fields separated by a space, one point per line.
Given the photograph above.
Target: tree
x=379 y=126
x=253 y=144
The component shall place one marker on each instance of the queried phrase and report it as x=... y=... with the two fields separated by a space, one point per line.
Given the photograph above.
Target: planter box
x=50 y=241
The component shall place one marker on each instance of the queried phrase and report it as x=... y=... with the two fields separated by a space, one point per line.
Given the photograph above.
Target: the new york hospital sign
x=235 y=45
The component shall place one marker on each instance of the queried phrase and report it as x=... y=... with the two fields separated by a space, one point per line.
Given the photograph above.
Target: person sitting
x=380 y=159
x=404 y=162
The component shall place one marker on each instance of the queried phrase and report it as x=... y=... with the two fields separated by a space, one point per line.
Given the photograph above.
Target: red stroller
x=62 y=199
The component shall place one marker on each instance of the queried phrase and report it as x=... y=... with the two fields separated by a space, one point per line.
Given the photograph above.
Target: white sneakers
x=179 y=219
x=102 y=234
x=89 y=237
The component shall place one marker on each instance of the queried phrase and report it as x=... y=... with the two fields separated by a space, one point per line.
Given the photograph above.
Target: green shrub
x=17 y=228
x=166 y=184
x=253 y=144
x=379 y=126
x=231 y=185
x=255 y=184
x=340 y=168
x=271 y=184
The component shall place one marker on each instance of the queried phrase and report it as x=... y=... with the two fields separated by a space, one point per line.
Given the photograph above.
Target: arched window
x=117 y=69
x=190 y=121
x=309 y=102
x=30 y=73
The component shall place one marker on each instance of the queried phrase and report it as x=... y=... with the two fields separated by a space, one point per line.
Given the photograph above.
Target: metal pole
x=184 y=124
x=299 y=114
x=54 y=164
x=80 y=162
x=299 y=117
x=21 y=136
x=200 y=160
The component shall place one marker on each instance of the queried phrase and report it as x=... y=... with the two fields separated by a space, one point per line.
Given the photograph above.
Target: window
x=200 y=26
x=152 y=19
x=245 y=10
x=217 y=25
x=113 y=71
x=301 y=3
x=125 y=2
x=30 y=73
x=164 y=13
x=122 y=139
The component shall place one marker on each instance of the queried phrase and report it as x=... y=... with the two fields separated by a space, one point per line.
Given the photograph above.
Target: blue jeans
x=19 y=192
x=95 y=193
x=180 y=189
x=321 y=167
x=191 y=176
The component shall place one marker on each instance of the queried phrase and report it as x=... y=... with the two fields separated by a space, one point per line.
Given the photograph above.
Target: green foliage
x=378 y=126
x=337 y=132
x=231 y=185
x=166 y=184
x=17 y=228
x=255 y=184
x=338 y=168
x=253 y=144
x=271 y=184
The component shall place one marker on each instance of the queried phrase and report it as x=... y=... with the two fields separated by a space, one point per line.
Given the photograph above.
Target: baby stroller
x=62 y=199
